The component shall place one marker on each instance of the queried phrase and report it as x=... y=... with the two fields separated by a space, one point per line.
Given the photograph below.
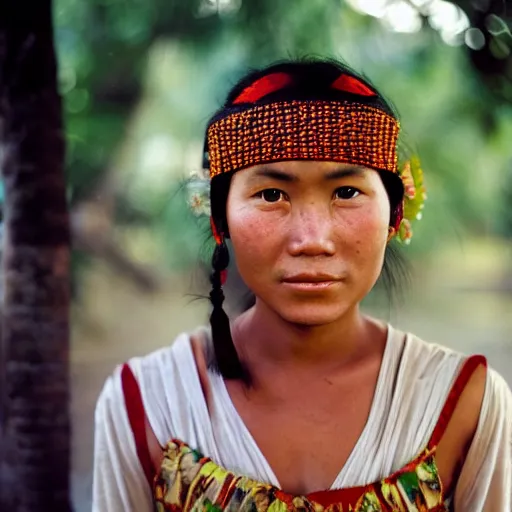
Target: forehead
x=304 y=170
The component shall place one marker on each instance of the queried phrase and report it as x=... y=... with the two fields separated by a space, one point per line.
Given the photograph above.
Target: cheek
x=246 y=226
x=253 y=239
x=367 y=232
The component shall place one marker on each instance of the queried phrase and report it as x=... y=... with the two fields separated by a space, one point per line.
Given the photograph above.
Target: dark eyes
x=346 y=193
x=273 y=195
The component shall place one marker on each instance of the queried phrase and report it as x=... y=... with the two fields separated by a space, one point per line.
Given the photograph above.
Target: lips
x=311 y=278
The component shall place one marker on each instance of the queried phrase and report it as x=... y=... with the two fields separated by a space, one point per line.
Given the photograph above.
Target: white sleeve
x=119 y=483
x=485 y=482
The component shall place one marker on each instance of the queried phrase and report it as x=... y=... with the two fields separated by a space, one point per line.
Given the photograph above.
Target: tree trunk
x=34 y=389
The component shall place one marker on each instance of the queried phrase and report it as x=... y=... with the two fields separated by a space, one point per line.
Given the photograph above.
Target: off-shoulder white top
x=414 y=381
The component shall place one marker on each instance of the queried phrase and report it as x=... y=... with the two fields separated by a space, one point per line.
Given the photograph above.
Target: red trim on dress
x=348 y=496
x=471 y=364
x=137 y=418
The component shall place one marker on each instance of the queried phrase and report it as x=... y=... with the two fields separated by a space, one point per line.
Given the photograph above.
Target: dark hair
x=312 y=80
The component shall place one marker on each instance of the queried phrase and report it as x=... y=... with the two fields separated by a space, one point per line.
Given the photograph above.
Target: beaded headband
x=345 y=132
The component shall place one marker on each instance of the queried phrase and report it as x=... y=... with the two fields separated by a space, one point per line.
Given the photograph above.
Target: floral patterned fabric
x=187 y=481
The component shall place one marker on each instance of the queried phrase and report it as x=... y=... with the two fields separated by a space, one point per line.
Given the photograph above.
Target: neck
x=267 y=342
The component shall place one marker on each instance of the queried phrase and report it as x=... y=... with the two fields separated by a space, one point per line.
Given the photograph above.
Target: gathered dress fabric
x=212 y=463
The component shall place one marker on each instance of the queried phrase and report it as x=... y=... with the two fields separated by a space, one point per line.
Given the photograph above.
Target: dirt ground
x=115 y=321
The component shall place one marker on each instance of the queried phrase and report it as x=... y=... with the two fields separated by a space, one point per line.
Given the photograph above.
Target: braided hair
x=312 y=80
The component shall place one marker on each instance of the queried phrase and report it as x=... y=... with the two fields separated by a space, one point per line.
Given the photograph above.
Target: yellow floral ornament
x=415 y=195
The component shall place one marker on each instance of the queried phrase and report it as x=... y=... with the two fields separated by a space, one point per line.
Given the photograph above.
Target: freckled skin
x=317 y=225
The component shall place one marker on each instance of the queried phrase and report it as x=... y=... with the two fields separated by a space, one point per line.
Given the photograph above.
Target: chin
x=312 y=315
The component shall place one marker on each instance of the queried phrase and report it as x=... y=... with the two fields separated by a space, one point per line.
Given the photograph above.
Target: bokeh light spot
x=474 y=38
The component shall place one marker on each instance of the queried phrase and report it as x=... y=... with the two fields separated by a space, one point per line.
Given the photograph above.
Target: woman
x=304 y=402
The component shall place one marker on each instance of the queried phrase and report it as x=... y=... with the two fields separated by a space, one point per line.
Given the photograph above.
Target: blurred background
x=140 y=79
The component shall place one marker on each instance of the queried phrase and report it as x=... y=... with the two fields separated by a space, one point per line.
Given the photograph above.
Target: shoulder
x=431 y=353
x=486 y=477
x=484 y=386
x=496 y=403
x=155 y=373
x=488 y=391
x=495 y=420
x=174 y=361
x=463 y=376
x=440 y=384
x=168 y=380
x=481 y=398
x=428 y=367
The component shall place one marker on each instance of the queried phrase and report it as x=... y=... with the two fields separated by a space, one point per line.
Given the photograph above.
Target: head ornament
x=256 y=129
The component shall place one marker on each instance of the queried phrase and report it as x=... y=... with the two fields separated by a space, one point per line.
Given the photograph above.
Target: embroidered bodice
x=189 y=481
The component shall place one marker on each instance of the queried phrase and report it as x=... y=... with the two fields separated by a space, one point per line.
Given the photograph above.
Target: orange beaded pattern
x=304 y=130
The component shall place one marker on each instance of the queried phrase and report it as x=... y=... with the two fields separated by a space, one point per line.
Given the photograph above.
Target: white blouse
x=400 y=423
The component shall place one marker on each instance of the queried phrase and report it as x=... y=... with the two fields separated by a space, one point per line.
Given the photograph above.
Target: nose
x=311 y=231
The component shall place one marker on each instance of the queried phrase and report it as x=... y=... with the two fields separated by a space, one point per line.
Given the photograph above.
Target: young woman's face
x=309 y=237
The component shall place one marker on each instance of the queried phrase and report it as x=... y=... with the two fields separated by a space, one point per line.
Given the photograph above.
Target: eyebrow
x=276 y=174
x=344 y=172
